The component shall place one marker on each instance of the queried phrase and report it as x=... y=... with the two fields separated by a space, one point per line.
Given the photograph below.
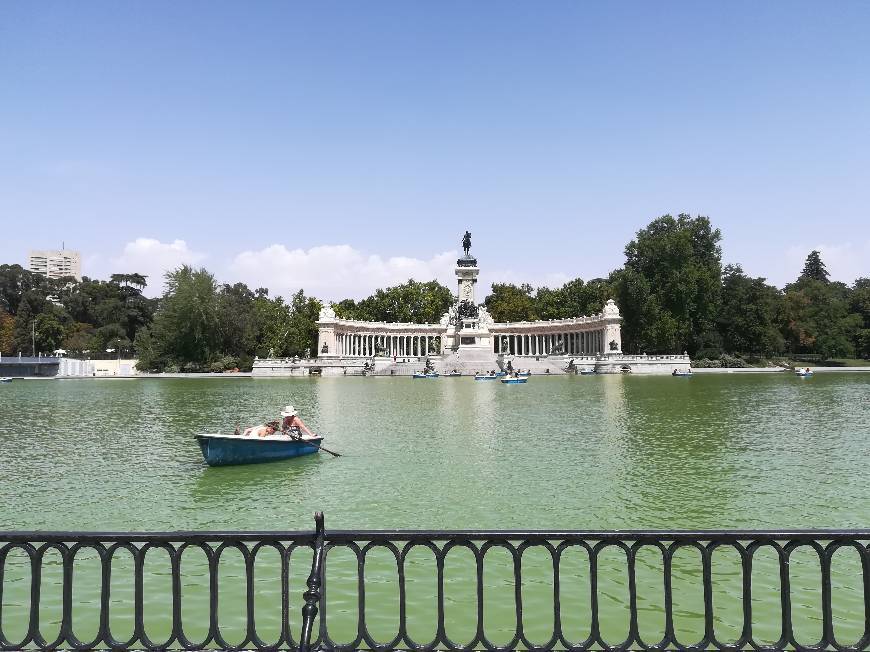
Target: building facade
x=56 y=264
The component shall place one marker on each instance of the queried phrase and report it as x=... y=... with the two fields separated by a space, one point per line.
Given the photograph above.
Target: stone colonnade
x=584 y=342
x=366 y=345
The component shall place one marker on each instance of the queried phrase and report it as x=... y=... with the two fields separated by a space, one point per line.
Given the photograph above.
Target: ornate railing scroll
x=442 y=590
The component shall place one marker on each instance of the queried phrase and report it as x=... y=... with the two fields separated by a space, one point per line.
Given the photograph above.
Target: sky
x=345 y=146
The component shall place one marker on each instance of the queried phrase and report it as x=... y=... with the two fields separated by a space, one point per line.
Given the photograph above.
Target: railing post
x=312 y=595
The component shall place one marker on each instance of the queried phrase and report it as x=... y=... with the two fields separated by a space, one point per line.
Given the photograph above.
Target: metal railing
x=379 y=586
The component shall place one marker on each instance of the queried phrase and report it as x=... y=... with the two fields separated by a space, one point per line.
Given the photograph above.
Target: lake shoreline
x=248 y=374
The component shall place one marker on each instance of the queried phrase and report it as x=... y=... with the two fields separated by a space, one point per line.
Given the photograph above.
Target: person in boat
x=674 y=372
x=292 y=423
x=260 y=431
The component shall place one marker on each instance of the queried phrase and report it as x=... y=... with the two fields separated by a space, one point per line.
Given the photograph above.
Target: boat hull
x=226 y=451
x=514 y=381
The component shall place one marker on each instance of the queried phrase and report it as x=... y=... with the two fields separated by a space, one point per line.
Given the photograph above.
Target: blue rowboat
x=681 y=374
x=421 y=375
x=223 y=450
x=485 y=377
x=515 y=380
x=5 y=379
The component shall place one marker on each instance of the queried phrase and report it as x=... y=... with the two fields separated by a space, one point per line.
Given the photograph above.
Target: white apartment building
x=56 y=264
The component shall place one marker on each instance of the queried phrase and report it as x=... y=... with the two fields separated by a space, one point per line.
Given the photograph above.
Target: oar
x=299 y=438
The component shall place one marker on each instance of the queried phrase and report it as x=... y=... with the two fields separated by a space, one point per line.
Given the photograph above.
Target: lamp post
x=33 y=336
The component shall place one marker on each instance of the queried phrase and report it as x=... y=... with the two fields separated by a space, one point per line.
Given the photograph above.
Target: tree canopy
x=814 y=269
x=413 y=301
x=672 y=291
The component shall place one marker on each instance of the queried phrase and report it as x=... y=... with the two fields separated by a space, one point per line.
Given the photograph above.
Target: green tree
x=148 y=359
x=16 y=282
x=185 y=329
x=80 y=339
x=413 y=301
x=814 y=269
x=237 y=321
x=49 y=333
x=273 y=319
x=22 y=341
x=7 y=332
x=302 y=331
x=859 y=304
x=669 y=290
x=509 y=302
x=817 y=319
x=749 y=315
x=574 y=299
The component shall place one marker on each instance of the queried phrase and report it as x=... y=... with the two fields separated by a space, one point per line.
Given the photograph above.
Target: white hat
x=289 y=411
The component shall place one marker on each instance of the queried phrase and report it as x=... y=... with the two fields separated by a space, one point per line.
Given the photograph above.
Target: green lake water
x=610 y=452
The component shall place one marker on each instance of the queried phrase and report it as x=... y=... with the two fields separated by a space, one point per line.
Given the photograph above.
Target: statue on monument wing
x=466 y=242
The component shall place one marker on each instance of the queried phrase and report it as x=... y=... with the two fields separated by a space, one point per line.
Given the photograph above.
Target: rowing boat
x=223 y=450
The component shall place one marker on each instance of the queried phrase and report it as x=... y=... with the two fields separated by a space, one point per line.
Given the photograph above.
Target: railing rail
x=838 y=579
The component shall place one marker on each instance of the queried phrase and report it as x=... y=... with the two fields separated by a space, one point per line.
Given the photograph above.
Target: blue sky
x=342 y=146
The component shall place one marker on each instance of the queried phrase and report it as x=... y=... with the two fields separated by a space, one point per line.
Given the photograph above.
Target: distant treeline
x=672 y=290
x=675 y=296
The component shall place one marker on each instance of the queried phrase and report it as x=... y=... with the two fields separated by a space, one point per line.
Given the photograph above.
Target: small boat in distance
x=803 y=373
x=587 y=371
x=485 y=376
x=5 y=379
x=681 y=374
x=515 y=380
x=455 y=373
x=224 y=450
x=423 y=374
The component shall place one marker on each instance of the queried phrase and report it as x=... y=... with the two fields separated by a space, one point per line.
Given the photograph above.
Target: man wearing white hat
x=290 y=419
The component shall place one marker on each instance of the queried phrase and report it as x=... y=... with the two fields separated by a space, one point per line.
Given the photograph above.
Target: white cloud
x=334 y=272
x=153 y=258
x=845 y=261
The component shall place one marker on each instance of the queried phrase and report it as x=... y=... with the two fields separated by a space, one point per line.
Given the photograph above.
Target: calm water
x=717 y=451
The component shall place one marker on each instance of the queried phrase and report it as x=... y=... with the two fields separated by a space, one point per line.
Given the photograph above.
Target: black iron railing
x=383 y=590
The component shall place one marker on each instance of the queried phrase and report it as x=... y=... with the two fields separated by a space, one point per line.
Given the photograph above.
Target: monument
x=467 y=340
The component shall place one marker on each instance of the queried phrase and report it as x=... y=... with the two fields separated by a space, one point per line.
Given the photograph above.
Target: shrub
x=732 y=361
